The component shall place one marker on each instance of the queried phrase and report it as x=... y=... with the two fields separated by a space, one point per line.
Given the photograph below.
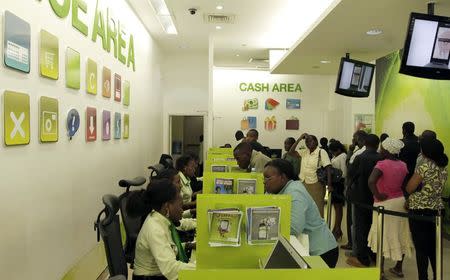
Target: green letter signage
x=121 y=43
x=99 y=28
x=76 y=22
x=60 y=10
x=131 y=53
x=111 y=34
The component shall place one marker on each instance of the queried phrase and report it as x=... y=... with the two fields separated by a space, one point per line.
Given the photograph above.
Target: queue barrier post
x=380 y=229
x=439 y=271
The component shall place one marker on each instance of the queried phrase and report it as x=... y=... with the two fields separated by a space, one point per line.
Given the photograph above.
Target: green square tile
x=49 y=55
x=48 y=119
x=126 y=126
x=16 y=118
x=72 y=68
x=126 y=93
x=91 y=76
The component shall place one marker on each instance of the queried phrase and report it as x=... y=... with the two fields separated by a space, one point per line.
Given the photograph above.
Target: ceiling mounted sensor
x=219 y=18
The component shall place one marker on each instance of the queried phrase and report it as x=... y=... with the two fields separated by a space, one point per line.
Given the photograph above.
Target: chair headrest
x=157 y=168
x=126 y=183
x=111 y=207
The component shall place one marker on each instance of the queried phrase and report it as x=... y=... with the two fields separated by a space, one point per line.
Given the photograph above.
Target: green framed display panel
x=220 y=157
x=244 y=256
x=209 y=177
x=231 y=163
x=218 y=151
x=281 y=274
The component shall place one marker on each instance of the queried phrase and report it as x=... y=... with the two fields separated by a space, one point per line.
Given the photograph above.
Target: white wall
x=184 y=87
x=51 y=193
x=322 y=112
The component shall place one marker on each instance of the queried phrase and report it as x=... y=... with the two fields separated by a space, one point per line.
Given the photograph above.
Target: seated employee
x=250 y=159
x=186 y=169
x=279 y=178
x=159 y=253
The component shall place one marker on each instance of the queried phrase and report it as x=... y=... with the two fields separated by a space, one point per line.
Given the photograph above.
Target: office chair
x=132 y=225
x=109 y=229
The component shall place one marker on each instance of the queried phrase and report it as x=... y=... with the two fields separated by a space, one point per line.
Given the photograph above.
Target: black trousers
x=349 y=224
x=424 y=239
x=142 y=277
x=362 y=224
x=331 y=257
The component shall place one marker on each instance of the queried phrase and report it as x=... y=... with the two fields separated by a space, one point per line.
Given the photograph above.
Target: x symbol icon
x=17 y=125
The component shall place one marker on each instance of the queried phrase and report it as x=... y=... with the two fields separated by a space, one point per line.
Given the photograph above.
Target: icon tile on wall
x=72 y=68
x=91 y=76
x=126 y=126
x=106 y=82
x=126 y=93
x=73 y=122
x=117 y=125
x=49 y=55
x=48 y=115
x=17 y=118
x=91 y=124
x=106 y=127
x=117 y=87
x=16 y=49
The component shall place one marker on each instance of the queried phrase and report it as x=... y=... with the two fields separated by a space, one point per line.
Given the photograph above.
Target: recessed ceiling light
x=315 y=67
x=237 y=55
x=219 y=7
x=374 y=32
x=218 y=27
x=325 y=61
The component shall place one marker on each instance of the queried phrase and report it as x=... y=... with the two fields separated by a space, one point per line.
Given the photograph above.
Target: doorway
x=186 y=135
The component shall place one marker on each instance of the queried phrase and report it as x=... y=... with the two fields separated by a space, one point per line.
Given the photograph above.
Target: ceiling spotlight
x=325 y=61
x=374 y=32
x=219 y=7
x=315 y=67
x=237 y=55
x=218 y=27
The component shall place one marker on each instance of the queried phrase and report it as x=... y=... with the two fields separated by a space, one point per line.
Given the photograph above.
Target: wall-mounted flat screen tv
x=426 y=53
x=354 y=78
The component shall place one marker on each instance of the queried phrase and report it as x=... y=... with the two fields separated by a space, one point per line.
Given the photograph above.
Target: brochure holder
x=209 y=179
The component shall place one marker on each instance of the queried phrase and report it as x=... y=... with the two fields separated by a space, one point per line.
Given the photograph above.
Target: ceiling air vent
x=219 y=18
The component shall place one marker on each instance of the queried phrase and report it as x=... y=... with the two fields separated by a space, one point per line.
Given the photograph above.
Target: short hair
x=168 y=173
x=313 y=138
x=361 y=133
x=336 y=145
x=182 y=162
x=434 y=150
x=243 y=146
x=291 y=140
x=283 y=167
x=323 y=141
x=383 y=136
x=408 y=128
x=428 y=134
x=372 y=141
x=255 y=131
x=239 y=135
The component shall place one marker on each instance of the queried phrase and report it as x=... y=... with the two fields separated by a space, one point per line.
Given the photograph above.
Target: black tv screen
x=426 y=52
x=354 y=78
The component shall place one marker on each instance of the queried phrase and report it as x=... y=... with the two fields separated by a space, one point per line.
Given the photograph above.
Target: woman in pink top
x=385 y=182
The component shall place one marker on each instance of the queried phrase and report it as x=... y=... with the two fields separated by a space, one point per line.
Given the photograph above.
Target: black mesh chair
x=132 y=225
x=109 y=229
x=156 y=169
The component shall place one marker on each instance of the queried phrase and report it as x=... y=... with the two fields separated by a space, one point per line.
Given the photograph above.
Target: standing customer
x=431 y=175
x=338 y=161
x=279 y=178
x=386 y=184
x=292 y=156
x=312 y=159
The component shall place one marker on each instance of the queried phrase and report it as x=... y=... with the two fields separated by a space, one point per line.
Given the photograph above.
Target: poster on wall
x=292 y=103
x=271 y=104
x=270 y=123
x=49 y=55
x=117 y=125
x=91 y=124
x=126 y=126
x=49 y=116
x=72 y=68
x=292 y=123
x=91 y=76
x=251 y=122
x=106 y=127
x=73 y=122
x=106 y=82
x=16 y=108
x=364 y=122
x=117 y=87
x=16 y=47
x=126 y=93
x=250 y=104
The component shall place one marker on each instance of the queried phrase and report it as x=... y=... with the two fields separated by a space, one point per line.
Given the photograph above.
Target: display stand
x=209 y=179
x=231 y=164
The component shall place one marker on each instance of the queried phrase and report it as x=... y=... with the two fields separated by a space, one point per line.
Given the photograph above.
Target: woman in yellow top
x=159 y=253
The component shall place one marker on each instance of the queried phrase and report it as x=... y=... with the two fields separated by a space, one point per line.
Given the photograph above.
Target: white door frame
x=197 y=114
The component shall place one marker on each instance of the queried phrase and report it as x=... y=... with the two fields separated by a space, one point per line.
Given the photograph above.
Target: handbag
x=322 y=174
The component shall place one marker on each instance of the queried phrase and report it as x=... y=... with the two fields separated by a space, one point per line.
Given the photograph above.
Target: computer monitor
x=354 y=78
x=426 y=52
x=284 y=256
